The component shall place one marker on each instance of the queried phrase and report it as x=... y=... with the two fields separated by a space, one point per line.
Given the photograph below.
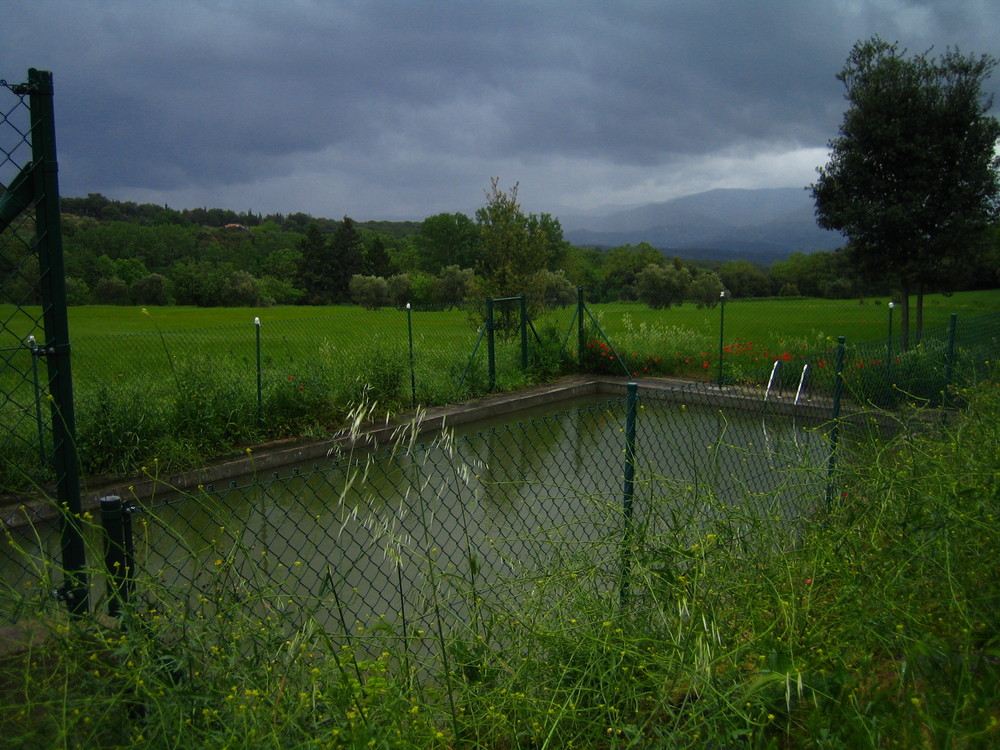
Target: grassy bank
x=873 y=625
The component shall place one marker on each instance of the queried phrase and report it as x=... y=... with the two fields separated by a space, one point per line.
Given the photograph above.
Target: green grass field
x=181 y=384
x=752 y=319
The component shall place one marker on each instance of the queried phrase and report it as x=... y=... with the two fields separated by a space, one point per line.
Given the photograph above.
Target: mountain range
x=759 y=225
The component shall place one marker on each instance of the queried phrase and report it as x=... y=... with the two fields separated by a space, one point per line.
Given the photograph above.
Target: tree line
x=912 y=185
x=144 y=254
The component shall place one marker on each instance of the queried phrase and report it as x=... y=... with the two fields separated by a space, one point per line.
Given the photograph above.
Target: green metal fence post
x=949 y=360
x=628 y=493
x=116 y=518
x=888 y=349
x=581 y=337
x=838 y=387
x=722 y=327
x=52 y=285
x=260 y=378
x=524 y=333
x=36 y=352
x=491 y=355
x=413 y=377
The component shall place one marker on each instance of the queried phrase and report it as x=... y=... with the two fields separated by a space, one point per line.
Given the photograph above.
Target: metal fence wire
x=164 y=382
x=738 y=441
x=242 y=384
x=26 y=429
x=399 y=539
x=37 y=418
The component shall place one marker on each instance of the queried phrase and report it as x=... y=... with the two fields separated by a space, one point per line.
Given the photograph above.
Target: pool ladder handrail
x=802 y=382
x=770 y=382
x=774 y=374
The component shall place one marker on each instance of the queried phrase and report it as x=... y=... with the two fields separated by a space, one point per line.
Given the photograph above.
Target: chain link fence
x=781 y=345
x=419 y=534
x=240 y=384
x=423 y=530
x=25 y=428
x=37 y=417
x=177 y=395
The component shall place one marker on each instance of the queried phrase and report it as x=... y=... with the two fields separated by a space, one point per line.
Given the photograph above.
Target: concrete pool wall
x=271 y=456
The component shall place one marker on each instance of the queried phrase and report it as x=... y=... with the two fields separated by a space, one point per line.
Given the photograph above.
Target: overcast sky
x=391 y=109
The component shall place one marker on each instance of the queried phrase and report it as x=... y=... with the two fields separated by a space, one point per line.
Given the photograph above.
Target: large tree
x=514 y=245
x=347 y=253
x=516 y=250
x=316 y=269
x=912 y=178
x=447 y=240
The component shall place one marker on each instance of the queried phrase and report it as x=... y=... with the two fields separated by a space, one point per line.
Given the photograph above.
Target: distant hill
x=756 y=224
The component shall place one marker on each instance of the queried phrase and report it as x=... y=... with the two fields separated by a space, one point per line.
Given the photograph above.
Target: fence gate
x=37 y=427
x=500 y=316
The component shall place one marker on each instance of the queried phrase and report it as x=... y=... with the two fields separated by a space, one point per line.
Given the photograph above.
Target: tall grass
x=870 y=623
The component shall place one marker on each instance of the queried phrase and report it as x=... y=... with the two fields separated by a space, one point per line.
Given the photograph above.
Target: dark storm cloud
x=391 y=108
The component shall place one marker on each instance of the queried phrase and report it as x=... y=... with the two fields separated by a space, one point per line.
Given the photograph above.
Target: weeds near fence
x=187 y=396
x=871 y=625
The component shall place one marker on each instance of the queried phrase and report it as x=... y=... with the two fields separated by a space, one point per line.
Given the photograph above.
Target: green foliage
x=371 y=292
x=376 y=261
x=452 y=285
x=274 y=291
x=305 y=401
x=705 y=289
x=152 y=289
x=448 y=240
x=116 y=425
x=346 y=258
x=620 y=268
x=867 y=623
x=399 y=290
x=912 y=181
x=201 y=252
x=662 y=286
x=380 y=379
x=128 y=384
x=548 y=289
x=741 y=278
x=316 y=268
x=240 y=289
x=514 y=246
x=917 y=376
x=546 y=357
x=112 y=291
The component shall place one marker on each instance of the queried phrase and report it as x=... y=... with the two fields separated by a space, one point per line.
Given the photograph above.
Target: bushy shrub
x=117 y=426
x=915 y=376
x=371 y=292
x=299 y=403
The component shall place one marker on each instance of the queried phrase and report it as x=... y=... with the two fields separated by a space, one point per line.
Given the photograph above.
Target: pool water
x=371 y=537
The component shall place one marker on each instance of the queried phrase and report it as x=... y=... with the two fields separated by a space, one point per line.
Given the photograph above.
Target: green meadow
x=756 y=319
x=182 y=384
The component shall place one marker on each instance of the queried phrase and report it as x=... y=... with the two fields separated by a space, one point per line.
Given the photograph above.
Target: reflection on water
x=421 y=528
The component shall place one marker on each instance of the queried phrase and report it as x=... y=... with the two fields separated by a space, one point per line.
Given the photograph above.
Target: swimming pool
x=375 y=537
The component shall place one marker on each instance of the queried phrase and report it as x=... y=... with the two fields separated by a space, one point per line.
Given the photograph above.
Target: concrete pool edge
x=270 y=456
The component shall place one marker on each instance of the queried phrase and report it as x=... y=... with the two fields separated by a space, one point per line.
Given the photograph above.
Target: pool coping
x=270 y=456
